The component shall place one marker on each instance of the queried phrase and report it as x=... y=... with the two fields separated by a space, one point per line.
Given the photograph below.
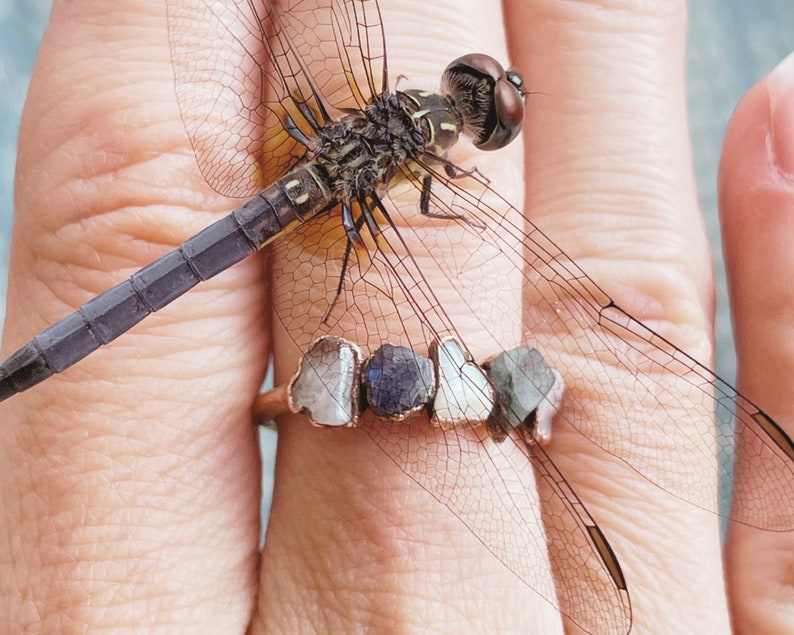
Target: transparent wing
x=489 y=486
x=651 y=390
x=651 y=387
x=241 y=67
x=254 y=62
x=492 y=489
x=357 y=47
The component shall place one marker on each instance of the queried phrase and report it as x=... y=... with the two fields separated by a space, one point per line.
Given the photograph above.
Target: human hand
x=131 y=488
x=756 y=204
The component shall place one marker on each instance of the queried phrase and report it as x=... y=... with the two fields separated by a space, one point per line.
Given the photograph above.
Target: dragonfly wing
x=242 y=68
x=618 y=371
x=590 y=584
x=342 y=44
x=229 y=93
x=491 y=488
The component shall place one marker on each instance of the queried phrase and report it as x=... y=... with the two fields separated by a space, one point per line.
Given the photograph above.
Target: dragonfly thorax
x=437 y=117
x=364 y=149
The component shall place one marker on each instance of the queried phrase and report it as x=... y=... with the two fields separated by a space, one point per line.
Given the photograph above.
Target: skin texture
x=130 y=484
x=757 y=203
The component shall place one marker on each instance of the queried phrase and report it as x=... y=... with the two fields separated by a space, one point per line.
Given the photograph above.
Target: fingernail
x=780 y=84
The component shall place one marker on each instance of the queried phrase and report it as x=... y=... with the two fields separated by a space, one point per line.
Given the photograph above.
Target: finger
x=137 y=468
x=609 y=179
x=666 y=204
x=351 y=538
x=756 y=205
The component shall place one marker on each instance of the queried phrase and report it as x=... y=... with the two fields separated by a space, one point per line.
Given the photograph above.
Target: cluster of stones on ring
x=516 y=389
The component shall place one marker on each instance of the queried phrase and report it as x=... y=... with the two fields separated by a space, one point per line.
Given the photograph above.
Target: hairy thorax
x=363 y=150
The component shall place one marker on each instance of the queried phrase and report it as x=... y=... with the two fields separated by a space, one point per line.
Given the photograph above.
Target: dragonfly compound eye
x=489 y=99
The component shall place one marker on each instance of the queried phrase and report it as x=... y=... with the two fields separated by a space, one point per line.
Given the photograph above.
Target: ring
x=334 y=387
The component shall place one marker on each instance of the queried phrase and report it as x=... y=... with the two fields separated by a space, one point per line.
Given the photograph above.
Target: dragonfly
x=271 y=124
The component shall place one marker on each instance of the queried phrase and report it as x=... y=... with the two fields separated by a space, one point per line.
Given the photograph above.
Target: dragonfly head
x=489 y=99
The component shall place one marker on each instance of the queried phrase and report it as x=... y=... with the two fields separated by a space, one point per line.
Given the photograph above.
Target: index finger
x=94 y=458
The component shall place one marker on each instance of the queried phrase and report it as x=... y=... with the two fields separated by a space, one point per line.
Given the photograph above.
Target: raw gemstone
x=397 y=381
x=529 y=390
x=326 y=386
x=464 y=395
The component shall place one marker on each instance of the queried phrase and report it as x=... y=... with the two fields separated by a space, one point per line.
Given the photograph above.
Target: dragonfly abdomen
x=290 y=201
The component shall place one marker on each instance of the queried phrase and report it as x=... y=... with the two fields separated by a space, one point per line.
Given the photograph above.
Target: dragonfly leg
x=341 y=285
x=427 y=210
x=353 y=230
x=307 y=113
x=424 y=202
x=424 y=199
x=351 y=225
x=367 y=212
x=293 y=131
x=456 y=172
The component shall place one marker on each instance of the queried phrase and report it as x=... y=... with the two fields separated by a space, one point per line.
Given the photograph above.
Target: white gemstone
x=547 y=408
x=464 y=395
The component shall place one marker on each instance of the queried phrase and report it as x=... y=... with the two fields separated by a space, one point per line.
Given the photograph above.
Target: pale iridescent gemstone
x=548 y=408
x=464 y=395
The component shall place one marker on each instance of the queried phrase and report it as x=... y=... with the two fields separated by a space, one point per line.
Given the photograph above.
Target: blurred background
x=732 y=43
